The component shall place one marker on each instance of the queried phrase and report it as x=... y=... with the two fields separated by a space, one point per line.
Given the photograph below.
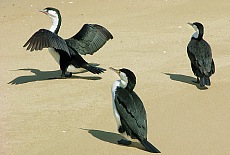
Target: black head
x=51 y=9
x=52 y=12
x=199 y=28
x=55 y=16
x=126 y=76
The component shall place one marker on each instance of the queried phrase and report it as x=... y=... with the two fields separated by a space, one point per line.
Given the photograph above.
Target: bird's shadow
x=46 y=75
x=112 y=138
x=185 y=79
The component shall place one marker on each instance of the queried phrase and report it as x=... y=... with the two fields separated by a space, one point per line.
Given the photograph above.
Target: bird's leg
x=63 y=74
x=124 y=142
x=197 y=80
x=68 y=74
x=64 y=63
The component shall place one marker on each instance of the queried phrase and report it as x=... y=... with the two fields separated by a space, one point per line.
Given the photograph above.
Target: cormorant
x=200 y=55
x=67 y=52
x=129 y=110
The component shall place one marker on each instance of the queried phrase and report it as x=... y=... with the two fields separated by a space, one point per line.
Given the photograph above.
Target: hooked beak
x=190 y=24
x=44 y=11
x=115 y=70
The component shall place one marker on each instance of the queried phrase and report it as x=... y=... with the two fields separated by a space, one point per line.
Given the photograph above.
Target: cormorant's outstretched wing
x=89 y=39
x=43 y=39
x=132 y=113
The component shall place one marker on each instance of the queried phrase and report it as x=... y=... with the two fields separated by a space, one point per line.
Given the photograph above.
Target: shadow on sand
x=46 y=75
x=185 y=79
x=112 y=138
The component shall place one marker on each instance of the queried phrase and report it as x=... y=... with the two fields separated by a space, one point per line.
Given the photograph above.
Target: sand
x=39 y=116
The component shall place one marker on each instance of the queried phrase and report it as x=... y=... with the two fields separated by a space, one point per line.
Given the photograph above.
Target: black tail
x=94 y=70
x=149 y=146
x=205 y=81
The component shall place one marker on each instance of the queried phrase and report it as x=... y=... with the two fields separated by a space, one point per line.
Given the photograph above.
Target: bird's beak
x=44 y=11
x=115 y=70
x=190 y=24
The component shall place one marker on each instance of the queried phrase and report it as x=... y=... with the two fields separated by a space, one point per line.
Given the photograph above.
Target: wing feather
x=200 y=55
x=89 y=39
x=132 y=112
x=44 y=39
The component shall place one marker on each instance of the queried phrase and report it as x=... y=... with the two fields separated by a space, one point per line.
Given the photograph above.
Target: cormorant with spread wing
x=129 y=110
x=67 y=52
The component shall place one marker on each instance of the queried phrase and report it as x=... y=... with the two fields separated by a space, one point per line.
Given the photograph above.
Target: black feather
x=149 y=146
x=50 y=40
x=89 y=39
x=205 y=81
x=132 y=113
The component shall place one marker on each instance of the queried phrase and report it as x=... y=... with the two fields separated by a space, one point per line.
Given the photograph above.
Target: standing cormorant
x=67 y=52
x=200 y=55
x=129 y=110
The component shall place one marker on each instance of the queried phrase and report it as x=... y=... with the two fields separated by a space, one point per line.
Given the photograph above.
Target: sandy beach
x=42 y=116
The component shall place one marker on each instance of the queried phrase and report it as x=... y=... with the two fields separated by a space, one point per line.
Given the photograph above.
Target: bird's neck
x=123 y=84
x=56 y=24
x=197 y=35
x=119 y=83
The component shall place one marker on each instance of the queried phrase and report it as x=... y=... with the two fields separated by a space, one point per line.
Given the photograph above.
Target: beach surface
x=42 y=116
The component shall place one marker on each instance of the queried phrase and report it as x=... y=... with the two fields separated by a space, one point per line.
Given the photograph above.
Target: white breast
x=55 y=55
x=115 y=112
x=196 y=34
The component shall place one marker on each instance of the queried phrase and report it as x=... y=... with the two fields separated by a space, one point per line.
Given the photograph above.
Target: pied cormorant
x=200 y=55
x=67 y=52
x=129 y=110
